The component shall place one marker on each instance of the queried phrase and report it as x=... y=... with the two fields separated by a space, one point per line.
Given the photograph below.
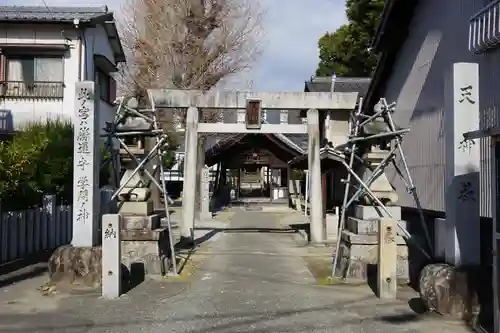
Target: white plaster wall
x=96 y=42
x=27 y=110
x=107 y=113
x=434 y=43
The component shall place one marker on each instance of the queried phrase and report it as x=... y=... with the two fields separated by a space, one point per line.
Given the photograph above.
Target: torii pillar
x=190 y=173
x=315 y=188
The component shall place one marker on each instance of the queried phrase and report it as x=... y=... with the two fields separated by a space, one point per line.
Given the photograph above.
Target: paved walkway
x=253 y=280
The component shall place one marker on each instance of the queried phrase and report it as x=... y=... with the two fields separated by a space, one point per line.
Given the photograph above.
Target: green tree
x=38 y=160
x=347 y=50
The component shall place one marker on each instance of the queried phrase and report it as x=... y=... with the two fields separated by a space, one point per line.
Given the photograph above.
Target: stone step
x=143 y=235
x=176 y=230
x=138 y=222
x=253 y=208
x=174 y=222
x=372 y=212
x=145 y=250
x=143 y=208
x=362 y=226
x=368 y=239
x=359 y=261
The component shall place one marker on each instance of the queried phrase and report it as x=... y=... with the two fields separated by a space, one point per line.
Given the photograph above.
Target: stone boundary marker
x=111 y=256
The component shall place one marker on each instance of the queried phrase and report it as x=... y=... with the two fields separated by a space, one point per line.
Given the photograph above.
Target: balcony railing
x=37 y=89
x=484 y=28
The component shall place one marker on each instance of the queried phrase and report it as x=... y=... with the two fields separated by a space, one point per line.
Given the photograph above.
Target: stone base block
x=138 y=222
x=176 y=230
x=76 y=266
x=358 y=260
x=174 y=222
x=205 y=216
x=360 y=226
x=451 y=291
x=134 y=194
x=143 y=235
x=276 y=208
x=143 y=208
x=365 y=239
x=374 y=212
x=147 y=251
x=332 y=226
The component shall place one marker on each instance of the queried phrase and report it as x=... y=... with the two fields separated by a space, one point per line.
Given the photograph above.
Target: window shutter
x=112 y=90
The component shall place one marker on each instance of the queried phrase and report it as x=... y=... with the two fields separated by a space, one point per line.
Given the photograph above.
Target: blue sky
x=292 y=29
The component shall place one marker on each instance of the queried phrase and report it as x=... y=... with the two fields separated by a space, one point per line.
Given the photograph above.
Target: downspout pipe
x=81 y=50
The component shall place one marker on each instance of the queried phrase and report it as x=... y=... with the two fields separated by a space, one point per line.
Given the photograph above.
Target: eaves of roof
x=395 y=23
x=66 y=15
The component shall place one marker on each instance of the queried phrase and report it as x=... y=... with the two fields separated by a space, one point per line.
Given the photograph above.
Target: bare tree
x=188 y=44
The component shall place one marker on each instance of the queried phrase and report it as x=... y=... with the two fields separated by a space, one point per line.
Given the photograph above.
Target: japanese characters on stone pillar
x=462 y=158
x=86 y=198
x=205 y=194
x=111 y=256
x=387 y=259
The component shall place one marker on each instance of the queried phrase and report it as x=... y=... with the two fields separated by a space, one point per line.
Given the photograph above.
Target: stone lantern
x=137 y=188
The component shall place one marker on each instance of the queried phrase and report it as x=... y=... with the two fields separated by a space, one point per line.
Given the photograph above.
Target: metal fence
x=32 y=231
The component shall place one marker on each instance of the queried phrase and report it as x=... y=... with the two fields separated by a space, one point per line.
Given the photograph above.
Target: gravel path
x=253 y=280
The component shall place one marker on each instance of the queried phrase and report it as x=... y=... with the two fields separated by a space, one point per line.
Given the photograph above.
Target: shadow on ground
x=75 y=321
x=23 y=269
x=186 y=244
x=133 y=277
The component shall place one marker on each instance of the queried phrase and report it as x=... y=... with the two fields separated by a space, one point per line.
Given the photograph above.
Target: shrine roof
x=342 y=84
x=217 y=151
x=328 y=156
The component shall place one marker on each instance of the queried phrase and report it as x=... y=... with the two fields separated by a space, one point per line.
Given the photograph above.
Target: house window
x=33 y=77
x=107 y=86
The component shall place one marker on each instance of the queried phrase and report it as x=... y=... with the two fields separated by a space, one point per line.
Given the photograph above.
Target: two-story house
x=44 y=51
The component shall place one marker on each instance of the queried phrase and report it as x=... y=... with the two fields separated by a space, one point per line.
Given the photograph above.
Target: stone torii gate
x=253 y=103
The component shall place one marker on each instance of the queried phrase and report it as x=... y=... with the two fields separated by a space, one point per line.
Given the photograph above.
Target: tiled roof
x=301 y=140
x=342 y=84
x=55 y=14
x=51 y=13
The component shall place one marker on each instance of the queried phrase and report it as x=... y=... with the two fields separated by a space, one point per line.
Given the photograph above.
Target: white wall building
x=45 y=51
x=418 y=49
x=418 y=42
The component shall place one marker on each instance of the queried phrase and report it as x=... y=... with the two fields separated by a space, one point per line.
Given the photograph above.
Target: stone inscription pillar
x=111 y=256
x=205 y=194
x=387 y=259
x=462 y=165
x=86 y=196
